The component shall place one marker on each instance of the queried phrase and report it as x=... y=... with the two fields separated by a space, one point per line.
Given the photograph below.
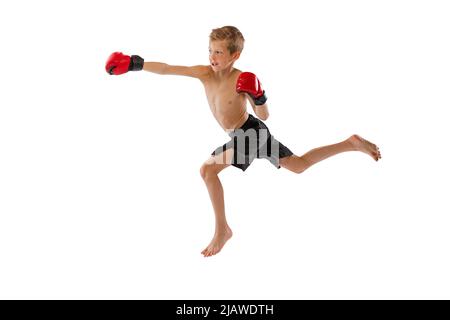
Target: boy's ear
x=236 y=55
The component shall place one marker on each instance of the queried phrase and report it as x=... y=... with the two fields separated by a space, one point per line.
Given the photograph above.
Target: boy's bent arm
x=261 y=111
x=166 y=69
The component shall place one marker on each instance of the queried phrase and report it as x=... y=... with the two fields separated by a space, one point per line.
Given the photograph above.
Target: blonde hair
x=233 y=36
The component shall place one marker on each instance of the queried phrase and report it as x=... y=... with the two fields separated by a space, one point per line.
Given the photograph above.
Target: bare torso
x=228 y=107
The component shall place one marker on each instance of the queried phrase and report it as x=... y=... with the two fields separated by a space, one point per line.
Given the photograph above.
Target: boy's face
x=219 y=56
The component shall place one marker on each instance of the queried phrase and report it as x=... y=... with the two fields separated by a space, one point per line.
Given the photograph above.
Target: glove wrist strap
x=136 y=63
x=261 y=100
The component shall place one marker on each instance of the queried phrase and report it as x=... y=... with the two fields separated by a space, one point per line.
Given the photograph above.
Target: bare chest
x=222 y=97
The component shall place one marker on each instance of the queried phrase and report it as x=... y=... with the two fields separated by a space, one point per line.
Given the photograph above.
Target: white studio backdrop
x=100 y=191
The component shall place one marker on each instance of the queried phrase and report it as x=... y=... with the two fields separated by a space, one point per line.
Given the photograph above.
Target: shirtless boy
x=228 y=90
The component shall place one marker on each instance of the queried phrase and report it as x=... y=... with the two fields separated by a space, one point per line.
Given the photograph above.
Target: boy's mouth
x=214 y=64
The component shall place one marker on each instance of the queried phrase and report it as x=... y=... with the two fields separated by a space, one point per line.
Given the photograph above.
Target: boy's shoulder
x=203 y=72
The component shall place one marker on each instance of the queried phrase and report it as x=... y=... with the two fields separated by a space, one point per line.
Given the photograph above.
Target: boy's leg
x=354 y=143
x=209 y=172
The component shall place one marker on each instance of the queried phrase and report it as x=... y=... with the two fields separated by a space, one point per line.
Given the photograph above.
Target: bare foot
x=365 y=146
x=217 y=243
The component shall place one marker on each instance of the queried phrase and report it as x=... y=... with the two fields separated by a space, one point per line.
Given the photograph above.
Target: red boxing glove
x=118 y=63
x=249 y=83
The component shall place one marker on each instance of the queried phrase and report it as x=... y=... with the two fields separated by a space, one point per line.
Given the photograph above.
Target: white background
x=100 y=191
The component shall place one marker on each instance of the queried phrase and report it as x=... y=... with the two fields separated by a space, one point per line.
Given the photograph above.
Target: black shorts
x=253 y=140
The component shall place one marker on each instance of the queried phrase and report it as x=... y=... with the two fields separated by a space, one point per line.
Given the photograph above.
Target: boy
x=228 y=90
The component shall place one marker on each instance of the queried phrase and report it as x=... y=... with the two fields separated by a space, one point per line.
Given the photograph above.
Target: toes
x=205 y=252
x=208 y=252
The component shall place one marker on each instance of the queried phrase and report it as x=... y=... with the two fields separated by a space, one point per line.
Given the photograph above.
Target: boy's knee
x=299 y=170
x=301 y=165
x=206 y=171
x=295 y=164
x=203 y=171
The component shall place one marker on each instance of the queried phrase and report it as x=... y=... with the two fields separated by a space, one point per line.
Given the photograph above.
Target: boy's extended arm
x=166 y=69
x=119 y=63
